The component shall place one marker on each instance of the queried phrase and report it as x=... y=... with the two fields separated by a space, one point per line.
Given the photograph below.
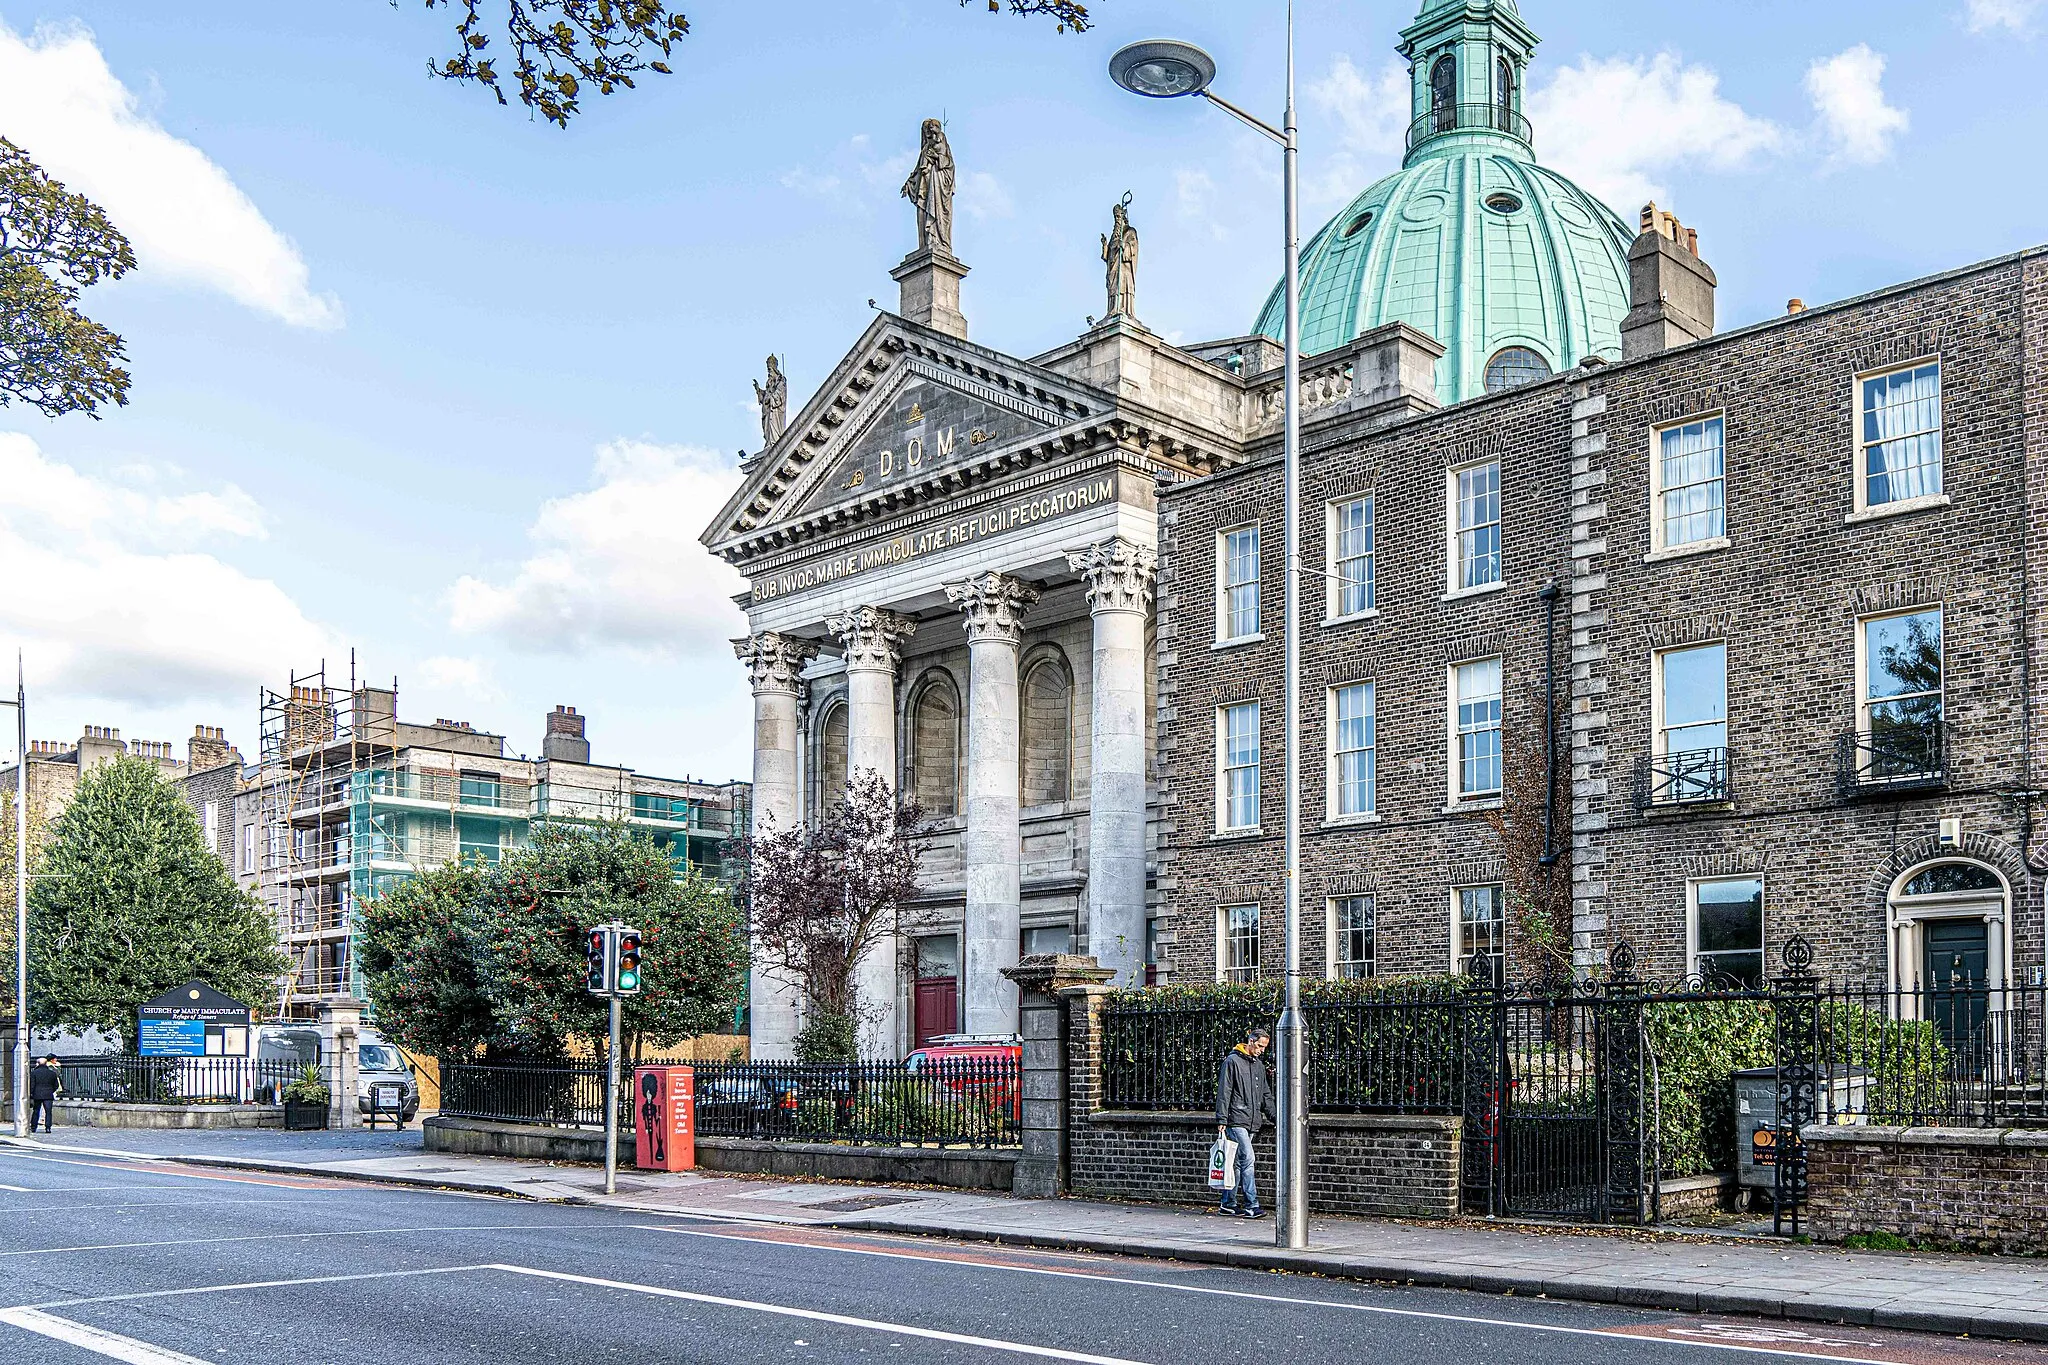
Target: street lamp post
x=1165 y=69
x=20 y=705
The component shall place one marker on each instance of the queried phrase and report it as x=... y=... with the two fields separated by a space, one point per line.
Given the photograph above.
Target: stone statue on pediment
x=930 y=188
x=1120 y=259
x=774 y=400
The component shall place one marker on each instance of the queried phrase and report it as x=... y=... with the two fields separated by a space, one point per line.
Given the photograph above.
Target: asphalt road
x=163 y=1265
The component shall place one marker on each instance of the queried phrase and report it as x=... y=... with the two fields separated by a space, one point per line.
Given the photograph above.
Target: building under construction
x=348 y=800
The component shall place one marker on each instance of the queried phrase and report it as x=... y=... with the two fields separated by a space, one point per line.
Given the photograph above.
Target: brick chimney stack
x=209 y=749
x=1671 y=290
x=564 y=741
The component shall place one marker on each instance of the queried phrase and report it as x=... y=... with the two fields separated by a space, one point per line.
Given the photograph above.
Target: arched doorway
x=1951 y=947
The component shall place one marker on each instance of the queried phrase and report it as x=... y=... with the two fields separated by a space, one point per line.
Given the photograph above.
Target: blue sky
x=421 y=377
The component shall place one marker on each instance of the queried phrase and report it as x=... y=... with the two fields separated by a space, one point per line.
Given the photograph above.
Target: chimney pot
x=1671 y=290
x=1795 y=306
x=1692 y=240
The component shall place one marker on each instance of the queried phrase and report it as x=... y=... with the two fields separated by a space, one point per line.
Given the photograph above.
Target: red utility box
x=665 y=1118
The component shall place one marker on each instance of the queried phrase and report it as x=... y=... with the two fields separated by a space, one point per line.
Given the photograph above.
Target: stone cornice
x=873 y=637
x=994 y=603
x=1120 y=574
x=775 y=662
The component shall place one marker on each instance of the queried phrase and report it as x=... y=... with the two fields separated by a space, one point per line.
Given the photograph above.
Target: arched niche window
x=935 y=745
x=1047 y=702
x=1504 y=93
x=1514 y=366
x=828 y=775
x=1443 y=94
x=1943 y=879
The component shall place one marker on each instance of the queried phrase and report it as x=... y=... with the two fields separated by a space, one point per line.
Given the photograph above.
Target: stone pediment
x=907 y=415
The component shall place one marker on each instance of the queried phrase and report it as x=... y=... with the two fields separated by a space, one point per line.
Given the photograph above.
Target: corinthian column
x=874 y=641
x=993 y=602
x=1119 y=574
x=775 y=663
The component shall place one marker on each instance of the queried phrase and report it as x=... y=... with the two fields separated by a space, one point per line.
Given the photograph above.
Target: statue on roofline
x=774 y=400
x=930 y=188
x=1120 y=259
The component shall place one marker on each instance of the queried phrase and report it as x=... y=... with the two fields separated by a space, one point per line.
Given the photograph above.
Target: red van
x=987 y=1066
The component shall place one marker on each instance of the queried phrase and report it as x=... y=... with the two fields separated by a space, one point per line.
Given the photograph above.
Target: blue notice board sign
x=173 y=1038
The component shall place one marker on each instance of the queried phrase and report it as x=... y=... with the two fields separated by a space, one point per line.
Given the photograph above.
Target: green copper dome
x=1515 y=269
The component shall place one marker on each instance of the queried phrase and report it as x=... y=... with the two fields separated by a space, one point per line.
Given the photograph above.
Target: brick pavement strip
x=1979 y=1295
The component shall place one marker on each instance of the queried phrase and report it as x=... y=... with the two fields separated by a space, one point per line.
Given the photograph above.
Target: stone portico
x=951 y=554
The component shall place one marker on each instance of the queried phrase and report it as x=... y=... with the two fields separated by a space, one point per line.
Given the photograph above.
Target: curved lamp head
x=1162 y=69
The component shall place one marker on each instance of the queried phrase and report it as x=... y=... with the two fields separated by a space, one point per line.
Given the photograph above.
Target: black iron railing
x=1688 y=777
x=1961 y=1053
x=1454 y=118
x=1894 y=757
x=125 y=1078
x=945 y=1102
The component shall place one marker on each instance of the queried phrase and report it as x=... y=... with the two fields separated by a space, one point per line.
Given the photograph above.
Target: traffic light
x=597 y=965
x=628 y=975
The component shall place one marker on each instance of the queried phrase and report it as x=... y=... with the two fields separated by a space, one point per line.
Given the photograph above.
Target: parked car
x=986 y=1066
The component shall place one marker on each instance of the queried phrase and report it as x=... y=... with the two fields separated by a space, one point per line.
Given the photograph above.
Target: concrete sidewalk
x=1975 y=1295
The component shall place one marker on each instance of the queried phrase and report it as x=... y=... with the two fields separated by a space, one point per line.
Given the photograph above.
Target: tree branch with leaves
x=53 y=246
x=1539 y=893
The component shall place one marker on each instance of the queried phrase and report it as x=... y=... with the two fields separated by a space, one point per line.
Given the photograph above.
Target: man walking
x=44 y=1081
x=1244 y=1104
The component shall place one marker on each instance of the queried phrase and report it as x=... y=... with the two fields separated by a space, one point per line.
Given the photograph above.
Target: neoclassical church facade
x=1030 y=591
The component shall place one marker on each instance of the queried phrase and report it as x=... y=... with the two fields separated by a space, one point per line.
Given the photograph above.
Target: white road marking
x=1467 y=1319
x=250 y=1284
x=95 y=1339
x=279 y=1237
x=813 y=1315
x=17 y=1189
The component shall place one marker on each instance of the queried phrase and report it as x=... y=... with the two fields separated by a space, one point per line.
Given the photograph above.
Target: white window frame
x=1454 y=533
x=1660 y=545
x=1223 y=968
x=1224 y=624
x=249 y=849
x=1859 y=449
x=1335 y=583
x=1864 y=701
x=1692 y=917
x=1458 y=956
x=1453 y=733
x=1333 y=785
x=1331 y=937
x=1224 y=768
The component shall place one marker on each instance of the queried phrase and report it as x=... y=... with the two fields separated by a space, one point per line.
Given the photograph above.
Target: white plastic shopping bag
x=1223 y=1165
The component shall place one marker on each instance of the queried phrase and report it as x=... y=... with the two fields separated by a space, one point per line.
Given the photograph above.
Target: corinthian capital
x=993 y=603
x=1119 y=573
x=874 y=636
x=774 y=661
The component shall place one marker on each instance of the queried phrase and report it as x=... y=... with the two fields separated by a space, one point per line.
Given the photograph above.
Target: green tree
x=490 y=957
x=560 y=47
x=129 y=902
x=53 y=245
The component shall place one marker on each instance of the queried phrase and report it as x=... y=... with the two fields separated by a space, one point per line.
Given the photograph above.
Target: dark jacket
x=42 y=1083
x=1244 y=1097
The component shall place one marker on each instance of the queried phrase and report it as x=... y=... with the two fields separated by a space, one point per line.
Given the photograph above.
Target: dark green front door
x=1954 y=975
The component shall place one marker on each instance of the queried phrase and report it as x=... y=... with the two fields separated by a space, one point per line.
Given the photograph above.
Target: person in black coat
x=44 y=1081
x=1244 y=1105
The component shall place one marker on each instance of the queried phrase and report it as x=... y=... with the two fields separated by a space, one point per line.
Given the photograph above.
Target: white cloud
x=618 y=564
x=469 y=680
x=982 y=197
x=1370 y=112
x=110 y=586
x=1619 y=125
x=1982 y=15
x=858 y=179
x=1848 y=94
x=1194 y=193
x=188 y=221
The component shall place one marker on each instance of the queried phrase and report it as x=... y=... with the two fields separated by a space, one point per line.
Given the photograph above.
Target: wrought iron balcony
x=1689 y=777
x=1898 y=757
x=1466 y=118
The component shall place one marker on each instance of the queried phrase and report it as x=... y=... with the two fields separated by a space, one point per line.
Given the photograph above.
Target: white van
x=378 y=1060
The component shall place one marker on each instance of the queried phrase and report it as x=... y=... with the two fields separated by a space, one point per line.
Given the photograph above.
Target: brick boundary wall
x=1985 y=1189
x=1362 y=1165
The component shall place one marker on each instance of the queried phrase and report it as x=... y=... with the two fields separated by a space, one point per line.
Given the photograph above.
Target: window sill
x=1226 y=835
x=1669 y=810
x=1351 y=821
x=1483 y=590
x=1371 y=615
x=1687 y=551
x=1237 y=640
x=1902 y=507
x=1472 y=805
